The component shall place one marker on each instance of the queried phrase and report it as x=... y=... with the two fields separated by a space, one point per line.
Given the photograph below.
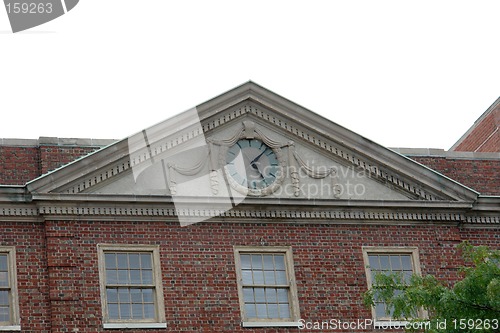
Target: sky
x=401 y=73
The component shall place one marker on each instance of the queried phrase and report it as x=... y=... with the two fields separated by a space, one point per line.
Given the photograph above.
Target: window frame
x=390 y=250
x=14 y=324
x=159 y=321
x=292 y=287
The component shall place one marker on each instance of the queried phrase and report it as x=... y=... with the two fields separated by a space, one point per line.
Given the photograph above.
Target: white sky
x=401 y=73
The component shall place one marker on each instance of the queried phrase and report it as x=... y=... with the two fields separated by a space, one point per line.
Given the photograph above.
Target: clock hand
x=258 y=156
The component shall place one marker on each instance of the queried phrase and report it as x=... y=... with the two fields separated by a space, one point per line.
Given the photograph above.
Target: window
x=131 y=290
x=389 y=260
x=9 y=306
x=266 y=286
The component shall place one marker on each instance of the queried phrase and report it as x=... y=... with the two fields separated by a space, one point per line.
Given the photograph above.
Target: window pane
x=246 y=276
x=248 y=295
x=136 y=295
x=146 y=261
x=123 y=295
x=261 y=310
x=260 y=296
x=149 y=310
x=245 y=261
x=374 y=264
x=284 y=311
x=110 y=260
x=279 y=262
x=3 y=263
x=111 y=277
x=4 y=279
x=147 y=277
x=406 y=261
x=272 y=311
x=137 y=311
x=395 y=263
x=133 y=259
x=112 y=295
x=147 y=295
x=250 y=310
x=407 y=276
x=380 y=310
x=268 y=262
x=271 y=295
x=258 y=277
x=123 y=277
x=282 y=295
x=125 y=311
x=384 y=263
x=4 y=314
x=4 y=298
x=135 y=277
x=113 y=311
x=122 y=260
x=256 y=261
x=281 y=278
x=269 y=277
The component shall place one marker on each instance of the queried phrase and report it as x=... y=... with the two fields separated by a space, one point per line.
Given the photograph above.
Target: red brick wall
x=485 y=137
x=198 y=274
x=480 y=175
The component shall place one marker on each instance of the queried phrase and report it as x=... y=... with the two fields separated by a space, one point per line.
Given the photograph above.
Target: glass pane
x=271 y=295
x=248 y=295
x=147 y=277
x=279 y=262
x=256 y=261
x=149 y=310
x=406 y=261
x=374 y=264
x=272 y=311
x=147 y=295
x=282 y=295
x=384 y=262
x=4 y=279
x=258 y=277
x=284 y=311
x=133 y=259
x=250 y=310
x=146 y=260
x=261 y=310
x=110 y=260
x=135 y=277
x=269 y=277
x=380 y=310
x=112 y=295
x=395 y=263
x=260 y=296
x=4 y=313
x=245 y=261
x=122 y=260
x=268 y=262
x=281 y=278
x=4 y=297
x=407 y=276
x=113 y=311
x=123 y=277
x=111 y=277
x=137 y=311
x=136 y=295
x=125 y=311
x=3 y=263
x=123 y=295
x=246 y=276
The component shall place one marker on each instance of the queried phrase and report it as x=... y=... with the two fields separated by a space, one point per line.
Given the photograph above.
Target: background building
x=247 y=213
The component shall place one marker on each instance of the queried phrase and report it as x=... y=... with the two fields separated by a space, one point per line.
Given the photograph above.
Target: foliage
x=471 y=305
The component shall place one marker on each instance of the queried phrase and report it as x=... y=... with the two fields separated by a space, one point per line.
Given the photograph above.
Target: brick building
x=247 y=213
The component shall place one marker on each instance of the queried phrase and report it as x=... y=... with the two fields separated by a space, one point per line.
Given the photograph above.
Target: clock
x=253 y=168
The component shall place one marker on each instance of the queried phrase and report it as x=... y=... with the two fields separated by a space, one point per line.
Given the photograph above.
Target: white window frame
x=14 y=324
x=393 y=250
x=159 y=321
x=292 y=286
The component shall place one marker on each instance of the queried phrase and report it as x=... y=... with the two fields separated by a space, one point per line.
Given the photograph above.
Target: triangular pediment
x=187 y=155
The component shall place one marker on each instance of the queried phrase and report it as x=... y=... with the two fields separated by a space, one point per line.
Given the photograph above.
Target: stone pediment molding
x=252 y=102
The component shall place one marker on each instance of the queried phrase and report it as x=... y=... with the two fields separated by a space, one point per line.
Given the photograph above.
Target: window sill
x=10 y=328
x=270 y=324
x=133 y=325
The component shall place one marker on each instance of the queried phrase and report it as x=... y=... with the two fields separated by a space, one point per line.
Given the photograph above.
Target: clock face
x=252 y=167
